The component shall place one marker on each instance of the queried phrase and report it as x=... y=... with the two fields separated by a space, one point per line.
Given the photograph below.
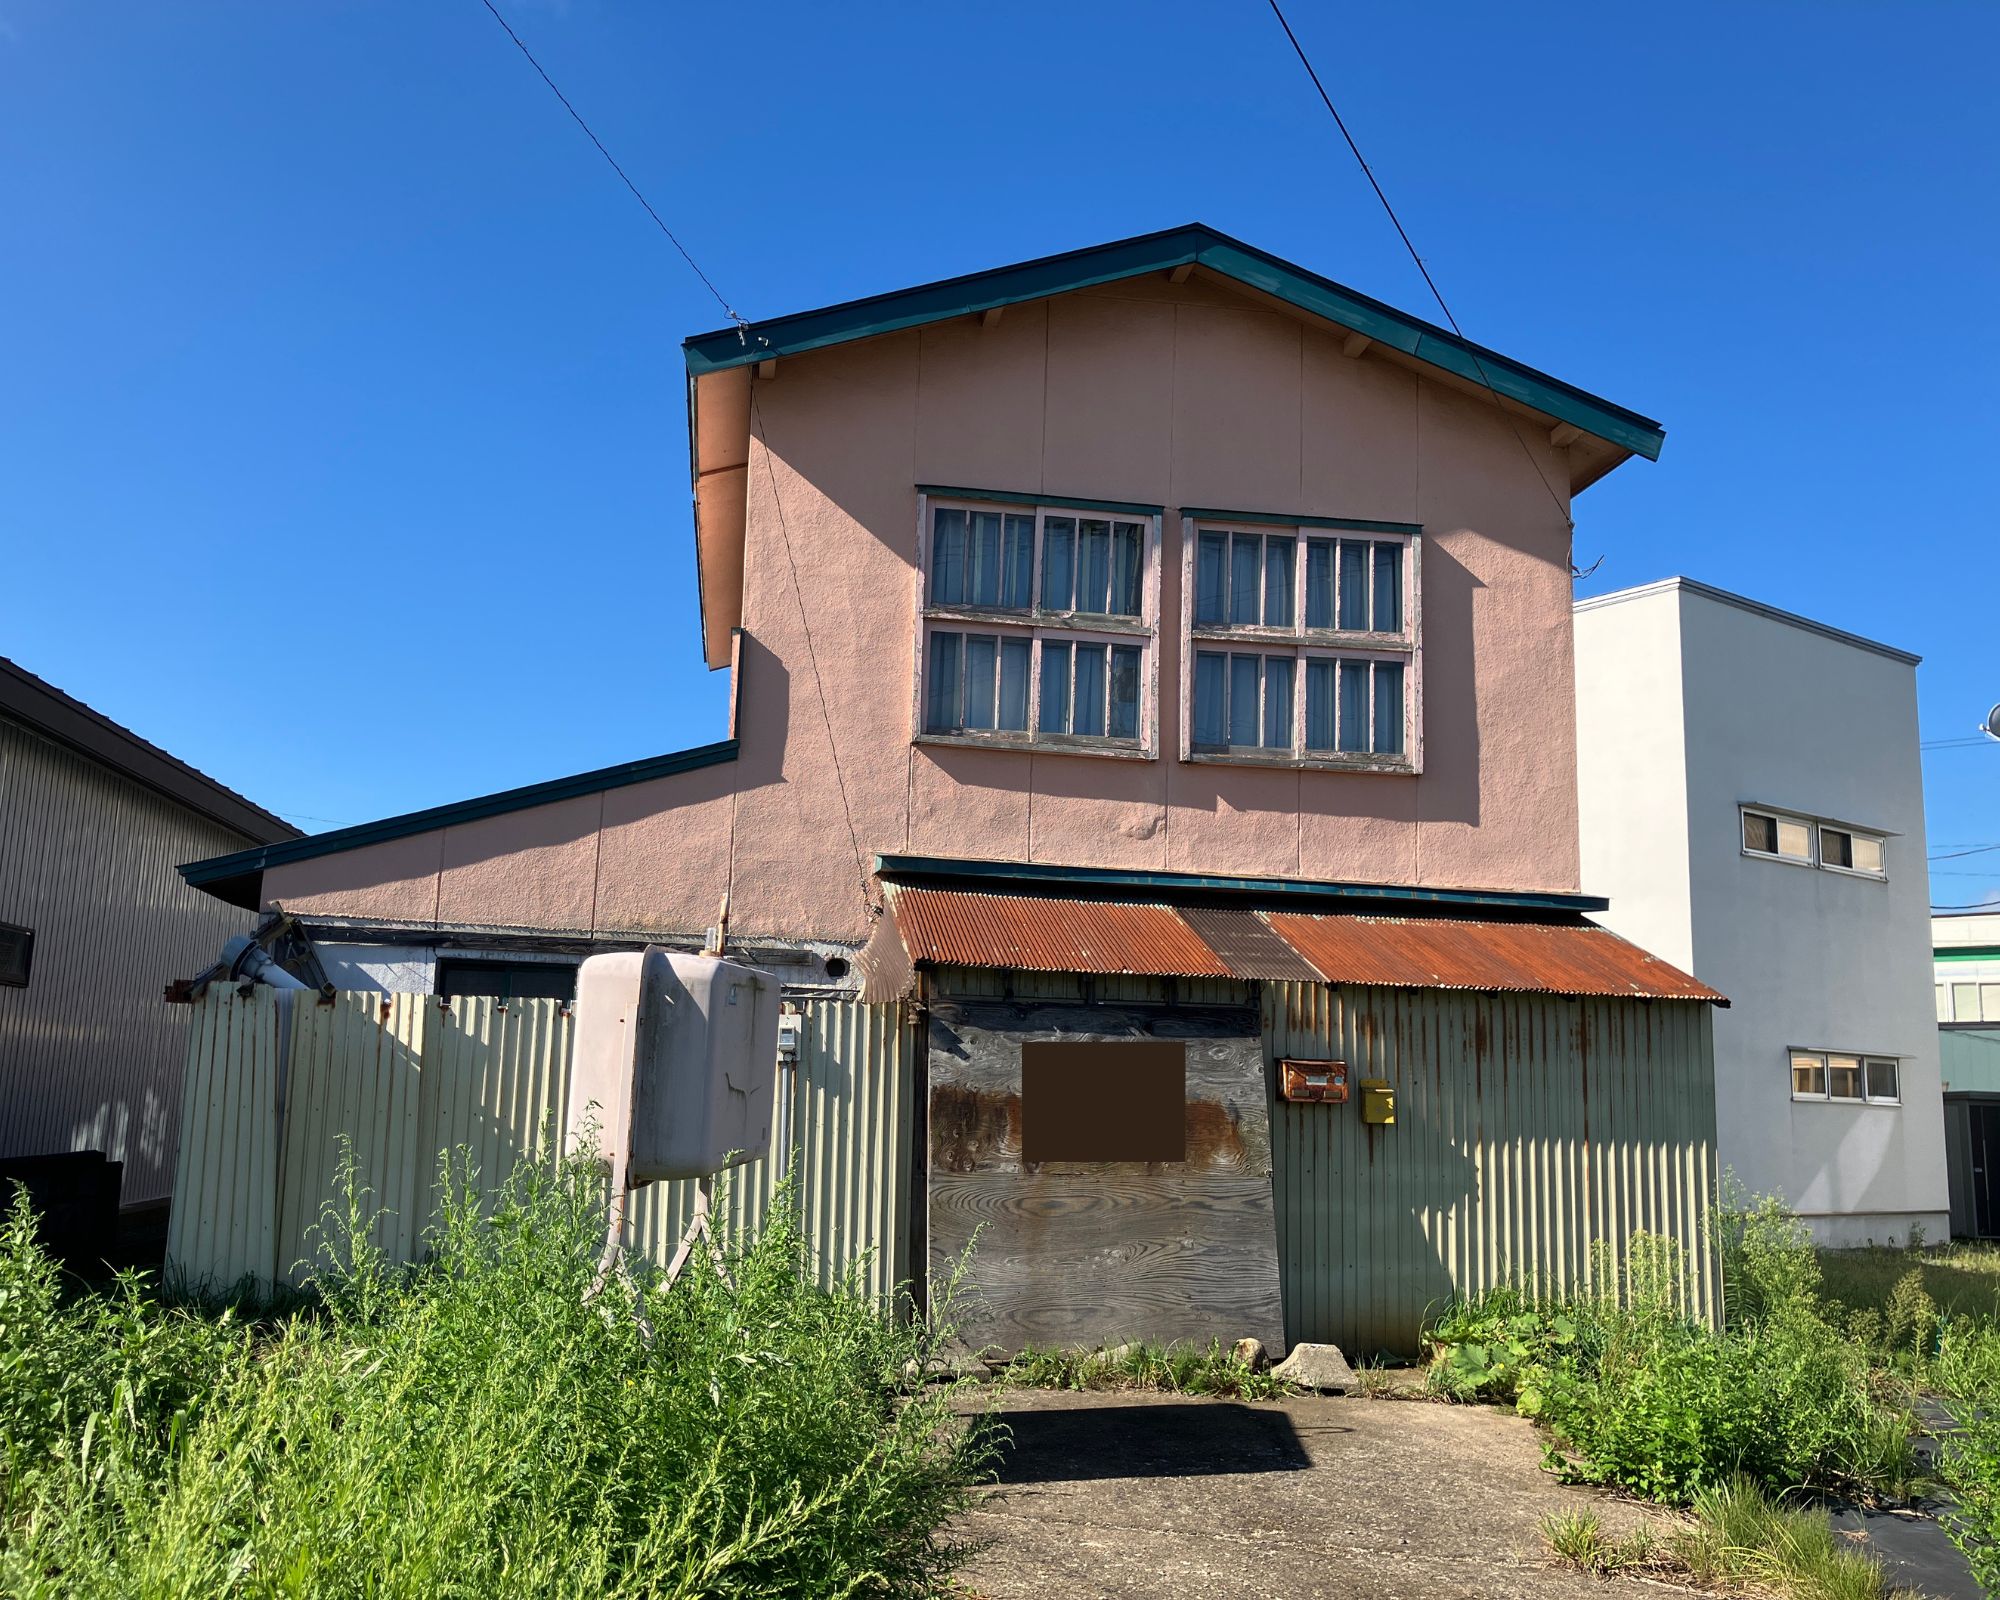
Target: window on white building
x=1847 y=851
x=1766 y=833
x=1836 y=1076
x=1813 y=843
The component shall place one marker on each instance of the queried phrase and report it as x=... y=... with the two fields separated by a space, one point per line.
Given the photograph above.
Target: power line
x=1969 y=850
x=728 y=310
x=1959 y=744
x=1429 y=282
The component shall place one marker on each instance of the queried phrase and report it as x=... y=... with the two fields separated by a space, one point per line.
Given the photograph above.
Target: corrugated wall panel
x=1528 y=1130
x=90 y=1056
x=404 y=1079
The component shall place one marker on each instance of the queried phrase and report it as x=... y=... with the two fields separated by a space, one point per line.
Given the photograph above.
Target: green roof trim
x=1003 y=875
x=1020 y=497
x=1285 y=519
x=1155 y=252
x=232 y=877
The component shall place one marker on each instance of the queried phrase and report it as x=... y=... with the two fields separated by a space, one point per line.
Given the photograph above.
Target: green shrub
x=1967 y=1374
x=476 y=1428
x=1637 y=1394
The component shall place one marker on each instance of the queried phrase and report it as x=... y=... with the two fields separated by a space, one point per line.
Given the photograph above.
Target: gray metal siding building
x=93 y=823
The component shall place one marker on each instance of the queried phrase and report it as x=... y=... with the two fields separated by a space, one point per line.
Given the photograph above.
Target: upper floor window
x=1812 y=843
x=1038 y=625
x=1301 y=645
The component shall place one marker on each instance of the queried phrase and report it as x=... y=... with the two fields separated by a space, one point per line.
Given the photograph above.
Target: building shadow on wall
x=1448 y=791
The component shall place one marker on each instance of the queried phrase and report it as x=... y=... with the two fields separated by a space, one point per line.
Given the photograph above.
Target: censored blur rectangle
x=1103 y=1100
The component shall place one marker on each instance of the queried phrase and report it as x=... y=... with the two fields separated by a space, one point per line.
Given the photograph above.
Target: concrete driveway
x=1133 y=1494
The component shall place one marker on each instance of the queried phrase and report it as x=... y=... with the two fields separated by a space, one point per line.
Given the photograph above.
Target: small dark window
x=508 y=980
x=1099 y=1100
x=1836 y=847
x=1882 y=1081
x=836 y=967
x=1760 y=833
x=17 y=952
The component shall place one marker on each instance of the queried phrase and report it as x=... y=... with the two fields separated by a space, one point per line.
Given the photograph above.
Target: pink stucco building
x=1160 y=577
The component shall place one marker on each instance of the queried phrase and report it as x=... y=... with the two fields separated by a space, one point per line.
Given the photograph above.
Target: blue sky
x=341 y=406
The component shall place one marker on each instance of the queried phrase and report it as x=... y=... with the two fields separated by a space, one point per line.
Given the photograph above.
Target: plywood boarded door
x=1083 y=1253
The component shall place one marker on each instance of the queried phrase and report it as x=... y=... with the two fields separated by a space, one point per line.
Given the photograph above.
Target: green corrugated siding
x=1970 y=1058
x=1527 y=1128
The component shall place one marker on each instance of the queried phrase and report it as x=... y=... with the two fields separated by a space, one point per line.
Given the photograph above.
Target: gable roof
x=40 y=705
x=719 y=366
x=1197 y=245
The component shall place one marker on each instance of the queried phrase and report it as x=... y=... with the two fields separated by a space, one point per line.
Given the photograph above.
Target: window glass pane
x=1211 y=699
x=1867 y=853
x=1794 y=840
x=1388 y=708
x=947 y=587
x=1943 y=1004
x=941 y=684
x=1211 y=578
x=1965 y=1002
x=1055 y=687
x=1087 y=708
x=1243 y=700
x=1760 y=833
x=1058 y=562
x=1388 y=617
x=1354 y=705
x=1808 y=1075
x=1014 y=685
x=981 y=650
x=1124 y=691
x=1017 y=563
x=1128 y=548
x=1836 y=849
x=1843 y=1077
x=1279 y=673
x=1279 y=574
x=1989 y=1003
x=1093 y=565
x=1319 y=583
x=1319 y=701
x=1246 y=560
x=983 y=560
x=1353 y=585
x=1882 y=1080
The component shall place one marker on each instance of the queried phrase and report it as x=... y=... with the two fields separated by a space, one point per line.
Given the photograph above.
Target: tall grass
x=474 y=1427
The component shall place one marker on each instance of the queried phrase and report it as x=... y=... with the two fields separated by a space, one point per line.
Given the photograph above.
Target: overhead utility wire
x=728 y=310
x=1429 y=282
x=812 y=657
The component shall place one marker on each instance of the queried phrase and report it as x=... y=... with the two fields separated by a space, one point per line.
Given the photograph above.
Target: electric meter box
x=675 y=1062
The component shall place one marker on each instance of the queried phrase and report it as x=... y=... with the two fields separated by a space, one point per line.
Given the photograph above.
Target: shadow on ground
x=1148 y=1441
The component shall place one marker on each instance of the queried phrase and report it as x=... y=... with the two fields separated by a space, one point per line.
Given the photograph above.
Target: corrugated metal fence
x=406 y=1079
x=90 y=1059
x=1528 y=1130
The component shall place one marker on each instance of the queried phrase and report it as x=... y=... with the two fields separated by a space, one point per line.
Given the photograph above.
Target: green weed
x=1173 y=1368
x=475 y=1428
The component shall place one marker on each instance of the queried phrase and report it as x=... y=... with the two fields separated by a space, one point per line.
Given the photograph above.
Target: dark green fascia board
x=1035 y=874
x=1966 y=952
x=1173 y=247
x=1284 y=519
x=251 y=864
x=1014 y=497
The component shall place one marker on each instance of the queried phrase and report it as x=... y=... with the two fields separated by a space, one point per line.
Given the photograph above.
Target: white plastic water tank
x=675 y=1060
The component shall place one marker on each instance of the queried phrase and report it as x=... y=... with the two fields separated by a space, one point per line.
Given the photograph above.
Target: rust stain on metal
x=1572 y=958
x=969 y=1126
x=1028 y=933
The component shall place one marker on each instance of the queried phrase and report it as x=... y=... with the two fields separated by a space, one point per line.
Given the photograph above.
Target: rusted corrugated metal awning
x=1099 y=935
x=1575 y=958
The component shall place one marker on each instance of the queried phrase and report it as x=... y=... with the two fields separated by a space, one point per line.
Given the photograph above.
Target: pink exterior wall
x=1144 y=391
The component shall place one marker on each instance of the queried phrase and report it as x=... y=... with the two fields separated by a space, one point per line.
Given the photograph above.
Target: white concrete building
x=1752 y=805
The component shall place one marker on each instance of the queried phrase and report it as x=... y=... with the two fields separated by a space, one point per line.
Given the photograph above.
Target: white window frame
x=1301 y=644
x=1815 y=855
x=1038 y=625
x=1863 y=1058
x=1819 y=851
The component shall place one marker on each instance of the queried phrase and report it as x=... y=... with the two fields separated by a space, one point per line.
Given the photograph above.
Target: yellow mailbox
x=1378 y=1101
